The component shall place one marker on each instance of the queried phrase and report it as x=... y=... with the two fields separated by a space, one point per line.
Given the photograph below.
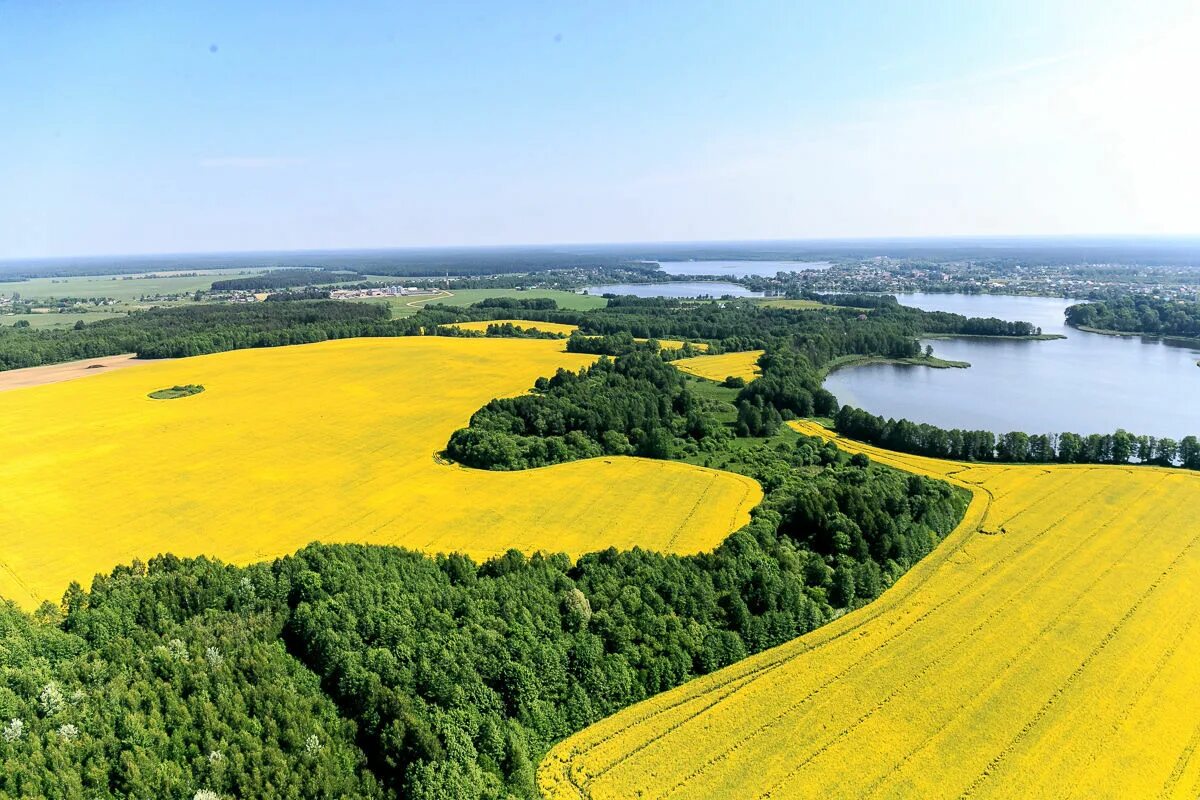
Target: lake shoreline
x=1186 y=340
x=1087 y=384
x=674 y=289
x=933 y=362
x=1033 y=337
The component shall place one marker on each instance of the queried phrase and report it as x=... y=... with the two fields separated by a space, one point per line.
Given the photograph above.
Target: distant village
x=382 y=291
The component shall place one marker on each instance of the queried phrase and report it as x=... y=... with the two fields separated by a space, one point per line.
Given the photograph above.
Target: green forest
x=1139 y=314
x=634 y=405
x=285 y=278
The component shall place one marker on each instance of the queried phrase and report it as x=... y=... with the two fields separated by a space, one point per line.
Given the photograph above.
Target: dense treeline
x=564 y=278
x=461 y=676
x=956 y=324
x=637 y=404
x=195 y=330
x=1138 y=314
x=847 y=299
x=492 y=262
x=788 y=388
x=533 y=304
x=452 y=678
x=288 y=295
x=612 y=344
x=284 y=279
x=502 y=330
x=170 y=681
x=923 y=439
x=889 y=330
x=212 y=328
x=820 y=335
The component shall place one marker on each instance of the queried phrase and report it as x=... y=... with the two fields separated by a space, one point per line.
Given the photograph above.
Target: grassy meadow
x=1047 y=648
x=336 y=442
x=64 y=320
x=127 y=288
x=794 y=305
x=402 y=306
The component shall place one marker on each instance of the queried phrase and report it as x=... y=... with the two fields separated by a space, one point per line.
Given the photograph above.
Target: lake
x=680 y=289
x=738 y=269
x=1087 y=383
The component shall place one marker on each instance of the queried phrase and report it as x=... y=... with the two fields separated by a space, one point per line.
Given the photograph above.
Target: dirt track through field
x=55 y=373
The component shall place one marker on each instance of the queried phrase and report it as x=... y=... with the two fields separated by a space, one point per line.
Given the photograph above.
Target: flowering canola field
x=1049 y=648
x=717 y=368
x=335 y=442
x=544 y=327
x=563 y=329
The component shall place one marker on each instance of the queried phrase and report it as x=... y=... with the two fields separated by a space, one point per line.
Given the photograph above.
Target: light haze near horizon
x=223 y=126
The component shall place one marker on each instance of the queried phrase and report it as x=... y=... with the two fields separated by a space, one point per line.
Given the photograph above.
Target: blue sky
x=179 y=127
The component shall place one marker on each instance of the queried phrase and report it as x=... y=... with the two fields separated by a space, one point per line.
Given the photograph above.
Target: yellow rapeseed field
x=545 y=327
x=717 y=368
x=334 y=442
x=1049 y=648
x=564 y=329
x=677 y=344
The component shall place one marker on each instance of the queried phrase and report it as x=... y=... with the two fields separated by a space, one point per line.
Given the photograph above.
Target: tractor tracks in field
x=982 y=625
x=970 y=523
x=737 y=683
x=1062 y=688
x=578 y=776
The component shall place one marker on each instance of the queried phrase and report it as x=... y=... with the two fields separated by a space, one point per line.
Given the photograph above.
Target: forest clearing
x=742 y=365
x=1063 y=603
x=331 y=442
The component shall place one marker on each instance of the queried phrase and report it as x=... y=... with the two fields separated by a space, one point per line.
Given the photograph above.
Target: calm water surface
x=738 y=269
x=674 y=289
x=1087 y=383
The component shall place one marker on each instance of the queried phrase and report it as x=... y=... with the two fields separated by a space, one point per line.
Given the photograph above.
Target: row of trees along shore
x=1156 y=316
x=924 y=439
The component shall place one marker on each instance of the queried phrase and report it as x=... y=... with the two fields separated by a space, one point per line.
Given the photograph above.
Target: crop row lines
x=944 y=653
x=759 y=670
x=1112 y=634
x=932 y=562
x=835 y=678
x=1041 y=634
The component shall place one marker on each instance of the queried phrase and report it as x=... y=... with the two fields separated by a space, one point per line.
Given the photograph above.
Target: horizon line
x=832 y=240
